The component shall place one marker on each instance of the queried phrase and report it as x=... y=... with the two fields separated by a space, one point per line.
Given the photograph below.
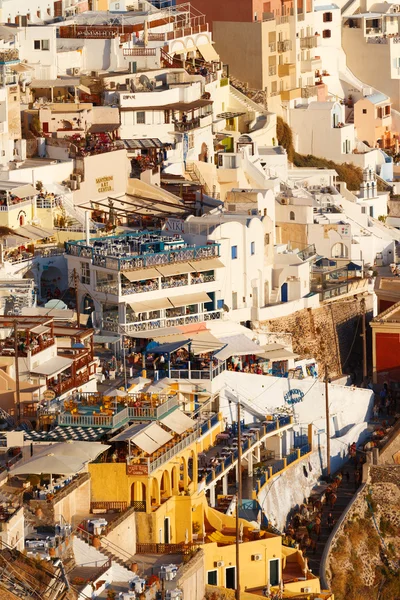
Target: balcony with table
x=34 y=335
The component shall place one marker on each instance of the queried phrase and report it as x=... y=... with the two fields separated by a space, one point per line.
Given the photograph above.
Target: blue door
x=284 y=296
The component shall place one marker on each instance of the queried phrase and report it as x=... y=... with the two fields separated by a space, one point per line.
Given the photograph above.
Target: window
x=191 y=141
x=234 y=253
x=364 y=111
x=266 y=239
x=252 y=248
x=326 y=33
x=141 y=118
x=292 y=216
x=220 y=304
x=41 y=44
x=212 y=577
x=327 y=18
x=85 y=273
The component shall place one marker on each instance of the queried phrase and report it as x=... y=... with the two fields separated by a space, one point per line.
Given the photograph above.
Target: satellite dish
x=145 y=81
x=225 y=308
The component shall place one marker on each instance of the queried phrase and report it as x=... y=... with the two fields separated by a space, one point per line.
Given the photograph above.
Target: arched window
x=292 y=216
x=339 y=250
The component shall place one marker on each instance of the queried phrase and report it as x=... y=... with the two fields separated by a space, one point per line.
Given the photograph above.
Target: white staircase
x=274 y=296
x=246 y=102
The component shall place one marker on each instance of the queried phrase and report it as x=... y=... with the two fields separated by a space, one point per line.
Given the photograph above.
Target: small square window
x=364 y=111
x=36 y=44
x=252 y=248
x=234 y=253
x=45 y=44
x=141 y=118
x=326 y=33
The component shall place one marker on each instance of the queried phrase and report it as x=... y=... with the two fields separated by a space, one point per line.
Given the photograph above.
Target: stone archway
x=155 y=493
x=138 y=496
x=175 y=480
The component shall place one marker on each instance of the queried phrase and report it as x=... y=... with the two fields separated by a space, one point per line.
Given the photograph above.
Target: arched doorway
x=165 y=485
x=50 y=283
x=339 y=250
x=155 y=493
x=138 y=496
x=203 y=156
x=175 y=480
x=183 y=474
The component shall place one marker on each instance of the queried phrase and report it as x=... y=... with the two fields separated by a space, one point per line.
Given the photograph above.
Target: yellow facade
x=167 y=493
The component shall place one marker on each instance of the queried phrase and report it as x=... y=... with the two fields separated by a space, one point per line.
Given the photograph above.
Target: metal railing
x=126 y=263
x=281 y=464
x=307 y=42
x=162 y=322
x=140 y=51
x=106 y=505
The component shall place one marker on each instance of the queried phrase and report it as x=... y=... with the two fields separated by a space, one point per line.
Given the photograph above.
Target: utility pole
x=238 y=505
x=17 y=390
x=78 y=312
x=364 y=337
x=328 y=426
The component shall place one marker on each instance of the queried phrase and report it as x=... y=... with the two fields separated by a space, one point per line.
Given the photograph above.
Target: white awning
x=158 y=434
x=150 y=305
x=128 y=433
x=206 y=264
x=175 y=269
x=177 y=421
x=282 y=354
x=198 y=298
x=21 y=68
x=145 y=443
x=237 y=345
x=53 y=367
x=201 y=342
x=40 y=329
x=141 y=274
x=34 y=233
x=208 y=52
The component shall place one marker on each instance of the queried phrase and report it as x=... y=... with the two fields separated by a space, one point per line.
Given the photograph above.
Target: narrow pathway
x=345 y=493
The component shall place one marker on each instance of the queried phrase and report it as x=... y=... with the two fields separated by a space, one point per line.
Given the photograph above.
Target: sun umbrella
x=116 y=393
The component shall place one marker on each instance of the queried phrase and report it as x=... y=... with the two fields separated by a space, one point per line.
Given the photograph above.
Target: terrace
x=116 y=409
x=34 y=334
x=140 y=250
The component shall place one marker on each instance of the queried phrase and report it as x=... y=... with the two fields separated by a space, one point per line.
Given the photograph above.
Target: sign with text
x=174 y=225
x=294 y=396
x=137 y=470
x=105 y=184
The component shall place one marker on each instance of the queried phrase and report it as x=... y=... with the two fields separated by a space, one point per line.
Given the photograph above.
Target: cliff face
x=363 y=562
x=331 y=334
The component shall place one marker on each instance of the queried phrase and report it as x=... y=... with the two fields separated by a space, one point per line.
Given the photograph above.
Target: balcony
x=292 y=94
x=272 y=47
x=311 y=65
x=272 y=70
x=201 y=121
x=7 y=204
x=97 y=411
x=69 y=383
x=286 y=70
x=152 y=324
x=308 y=42
x=140 y=51
x=284 y=46
x=138 y=251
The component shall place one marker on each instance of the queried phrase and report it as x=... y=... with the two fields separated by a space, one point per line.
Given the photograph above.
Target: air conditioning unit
x=306 y=590
x=76 y=71
x=256 y=557
x=284 y=201
x=219 y=563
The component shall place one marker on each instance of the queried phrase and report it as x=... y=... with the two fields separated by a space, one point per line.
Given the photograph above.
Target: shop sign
x=294 y=396
x=174 y=225
x=137 y=470
x=105 y=184
x=49 y=395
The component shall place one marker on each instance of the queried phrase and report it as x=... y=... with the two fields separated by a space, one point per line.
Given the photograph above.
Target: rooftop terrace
x=137 y=250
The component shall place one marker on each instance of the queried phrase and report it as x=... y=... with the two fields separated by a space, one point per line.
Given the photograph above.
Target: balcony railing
x=280 y=465
x=147 y=260
x=140 y=51
x=70 y=383
x=284 y=46
x=308 y=42
x=14 y=205
x=153 y=324
x=272 y=47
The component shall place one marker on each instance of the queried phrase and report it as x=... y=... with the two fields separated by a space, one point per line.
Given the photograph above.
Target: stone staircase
x=350 y=117
x=345 y=493
x=111 y=551
x=274 y=296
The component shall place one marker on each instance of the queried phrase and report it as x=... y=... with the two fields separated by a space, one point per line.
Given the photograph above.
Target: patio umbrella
x=59 y=304
x=116 y=393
